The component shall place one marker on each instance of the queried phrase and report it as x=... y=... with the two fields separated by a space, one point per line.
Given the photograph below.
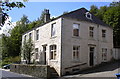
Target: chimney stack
x=46 y=15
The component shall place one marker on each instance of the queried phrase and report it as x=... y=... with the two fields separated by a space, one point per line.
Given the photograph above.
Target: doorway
x=91 y=56
x=44 y=54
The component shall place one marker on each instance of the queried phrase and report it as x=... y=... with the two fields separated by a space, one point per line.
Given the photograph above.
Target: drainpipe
x=98 y=54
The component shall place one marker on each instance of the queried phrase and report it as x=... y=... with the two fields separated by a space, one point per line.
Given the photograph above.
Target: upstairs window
x=37 y=34
x=76 y=52
x=53 y=52
x=53 y=30
x=91 y=32
x=88 y=15
x=103 y=33
x=76 y=29
x=30 y=35
x=25 y=37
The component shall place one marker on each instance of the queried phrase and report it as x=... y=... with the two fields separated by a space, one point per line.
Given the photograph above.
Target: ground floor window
x=76 y=52
x=104 y=54
x=53 y=52
x=36 y=53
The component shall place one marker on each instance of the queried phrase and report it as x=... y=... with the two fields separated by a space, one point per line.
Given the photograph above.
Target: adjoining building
x=71 y=42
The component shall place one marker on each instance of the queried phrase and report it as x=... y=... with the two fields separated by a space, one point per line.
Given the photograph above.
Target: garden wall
x=39 y=71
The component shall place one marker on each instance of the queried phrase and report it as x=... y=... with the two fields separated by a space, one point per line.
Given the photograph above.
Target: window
x=53 y=52
x=25 y=38
x=36 y=53
x=37 y=34
x=76 y=29
x=53 y=30
x=104 y=54
x=103 y=33
x=30 y=35
x=88 y=15
x=75 y=52
x=91 y=32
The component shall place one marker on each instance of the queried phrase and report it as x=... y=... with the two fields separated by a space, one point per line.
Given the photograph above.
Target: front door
x=44 y=54
x=91 y=56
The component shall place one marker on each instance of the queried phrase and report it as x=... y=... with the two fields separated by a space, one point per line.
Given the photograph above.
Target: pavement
x=6 y=74
x=103 y=71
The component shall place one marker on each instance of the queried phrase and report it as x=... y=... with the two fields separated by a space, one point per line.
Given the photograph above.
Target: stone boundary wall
x=39 y=71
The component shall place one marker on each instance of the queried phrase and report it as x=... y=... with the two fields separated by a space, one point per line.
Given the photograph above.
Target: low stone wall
x=39 y=71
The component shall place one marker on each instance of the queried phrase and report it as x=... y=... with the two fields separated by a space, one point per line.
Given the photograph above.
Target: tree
x=16 y=35
x=27 y=49
x=94 y=9
x=112 y=17
x=5 y=7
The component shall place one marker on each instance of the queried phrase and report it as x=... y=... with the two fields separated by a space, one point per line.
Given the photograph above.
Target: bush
x=9 y=60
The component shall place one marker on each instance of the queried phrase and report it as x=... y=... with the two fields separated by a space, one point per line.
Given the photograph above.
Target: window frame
x=76 y=30
x=36 y=53
x=103 y=33
x=91 y=32
x=75 y=52
x=104 y=54
x=25 y=38
x=53 y=28
x=53 y=52
x=37 y=34
x=30 y=35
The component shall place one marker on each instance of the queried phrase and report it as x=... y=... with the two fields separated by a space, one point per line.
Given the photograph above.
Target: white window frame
x=75 y=52
x=91 y=32
x=36 y=53
x=53 y=30
x=104 y=54
x=25 y=38
x=53 y=50
x=37 y=34
x=88 y=15
x=103 y=33
x=30 y=35
x=76 y=28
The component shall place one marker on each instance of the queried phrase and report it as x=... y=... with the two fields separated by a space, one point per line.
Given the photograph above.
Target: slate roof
x=80 y=14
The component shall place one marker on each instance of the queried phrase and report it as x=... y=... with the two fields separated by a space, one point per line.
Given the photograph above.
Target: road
x=6 y=74
x=104 y=71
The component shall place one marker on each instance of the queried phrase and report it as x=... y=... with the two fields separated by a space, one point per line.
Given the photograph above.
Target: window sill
x=77 y=37
x=90 y=38
x=76 y=61
x=53 y=60
x=53 y=37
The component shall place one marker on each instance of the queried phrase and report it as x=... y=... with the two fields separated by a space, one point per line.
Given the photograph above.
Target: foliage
x=5 y=7
x=11 y=44
x=27 y=49
x=111 y=16
x=9 y=60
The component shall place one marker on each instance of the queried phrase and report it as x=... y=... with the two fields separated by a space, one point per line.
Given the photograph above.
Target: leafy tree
x=27 y=49
x=5 y=7
x=94 y=9
x=112 y=17
x=16 y=35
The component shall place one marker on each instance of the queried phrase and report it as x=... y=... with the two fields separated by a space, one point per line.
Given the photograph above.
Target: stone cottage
x=71 y=42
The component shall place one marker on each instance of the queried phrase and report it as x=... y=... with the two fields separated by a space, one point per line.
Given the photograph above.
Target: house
x=71 y=42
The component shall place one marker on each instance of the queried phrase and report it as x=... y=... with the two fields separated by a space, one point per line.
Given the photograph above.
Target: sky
x=33 y=9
